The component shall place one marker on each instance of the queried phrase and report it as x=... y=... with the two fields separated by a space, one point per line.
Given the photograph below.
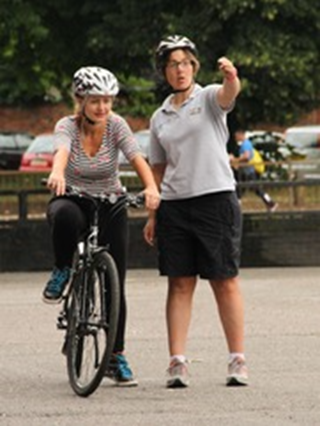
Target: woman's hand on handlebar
x=57 y=183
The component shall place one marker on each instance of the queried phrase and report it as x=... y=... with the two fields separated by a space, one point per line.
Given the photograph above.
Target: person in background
x=198 y=224
x=87 y=146
x=248 y=168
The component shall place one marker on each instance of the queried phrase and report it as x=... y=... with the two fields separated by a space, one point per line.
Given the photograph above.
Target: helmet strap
x=182 y=90
x=88 y=120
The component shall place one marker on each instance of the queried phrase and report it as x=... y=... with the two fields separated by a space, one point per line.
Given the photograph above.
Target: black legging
x=69 y=218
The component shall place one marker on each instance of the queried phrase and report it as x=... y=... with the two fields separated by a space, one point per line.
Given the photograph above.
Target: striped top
x=97 y=175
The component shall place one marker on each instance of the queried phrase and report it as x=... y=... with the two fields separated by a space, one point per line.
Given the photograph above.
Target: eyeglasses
x=182 y=64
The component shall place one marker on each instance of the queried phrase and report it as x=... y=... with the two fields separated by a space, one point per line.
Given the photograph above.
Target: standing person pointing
x=198 y=224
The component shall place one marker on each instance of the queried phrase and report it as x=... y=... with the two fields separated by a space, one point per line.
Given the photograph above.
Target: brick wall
x=280 y=239
x=39 y=119
x=42 y=118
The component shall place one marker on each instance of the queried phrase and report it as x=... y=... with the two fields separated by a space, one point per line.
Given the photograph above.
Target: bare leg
x=179 y=306
x=230 y=305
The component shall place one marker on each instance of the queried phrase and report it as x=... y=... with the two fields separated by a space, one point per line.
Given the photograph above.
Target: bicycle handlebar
x=132 y=200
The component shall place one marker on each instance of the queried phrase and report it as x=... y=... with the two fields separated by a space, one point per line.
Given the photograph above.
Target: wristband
x=232 y=76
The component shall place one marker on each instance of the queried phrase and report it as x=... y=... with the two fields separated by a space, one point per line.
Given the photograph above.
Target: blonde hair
x=77 y=100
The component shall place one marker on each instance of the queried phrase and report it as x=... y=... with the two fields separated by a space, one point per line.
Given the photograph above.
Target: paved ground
x=283 y=346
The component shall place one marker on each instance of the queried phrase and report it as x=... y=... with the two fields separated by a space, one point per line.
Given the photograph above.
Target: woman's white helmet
x=94 y=81
x=170 y=44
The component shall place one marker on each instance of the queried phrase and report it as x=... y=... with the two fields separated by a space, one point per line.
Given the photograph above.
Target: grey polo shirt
x=192 y=141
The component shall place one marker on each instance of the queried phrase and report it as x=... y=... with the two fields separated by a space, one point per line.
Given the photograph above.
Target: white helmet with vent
x=173 y=43
x=94 y=81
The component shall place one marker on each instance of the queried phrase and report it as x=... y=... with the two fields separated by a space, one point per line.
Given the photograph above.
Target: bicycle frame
x=86 y=249
x=91 y=304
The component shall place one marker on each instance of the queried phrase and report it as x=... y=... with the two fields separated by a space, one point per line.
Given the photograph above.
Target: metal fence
x=298 y=195
x=26 y=204
x=23 y=197
x=13 y=180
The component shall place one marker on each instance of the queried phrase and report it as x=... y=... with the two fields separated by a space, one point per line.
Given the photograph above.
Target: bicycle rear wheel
x=92 y=324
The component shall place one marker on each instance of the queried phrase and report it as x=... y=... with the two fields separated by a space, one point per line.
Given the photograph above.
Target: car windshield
x=304 y=139
x=15 y=140
x=42 y=143
x=23 y=140
x=6 y=141
x=142 y=137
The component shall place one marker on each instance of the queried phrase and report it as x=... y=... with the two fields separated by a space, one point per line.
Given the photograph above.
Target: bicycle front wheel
x=92 y=325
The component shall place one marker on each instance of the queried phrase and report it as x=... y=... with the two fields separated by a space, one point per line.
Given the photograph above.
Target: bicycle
x=91 y=300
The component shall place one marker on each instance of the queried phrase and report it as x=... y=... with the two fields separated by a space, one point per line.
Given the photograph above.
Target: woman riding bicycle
x=87 y=146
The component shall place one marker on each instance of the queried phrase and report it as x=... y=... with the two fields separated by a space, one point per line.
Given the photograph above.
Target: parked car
x=12 y=146
x=307 y=140
x=275 y=150
x=142 y=137
x=39 y=155
x=274 y=146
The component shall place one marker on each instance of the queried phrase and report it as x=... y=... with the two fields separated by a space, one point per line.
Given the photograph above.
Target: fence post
x=23 y=205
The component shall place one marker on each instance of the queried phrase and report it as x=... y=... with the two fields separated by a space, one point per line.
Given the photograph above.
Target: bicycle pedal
x=61 y=323
x=61 y=326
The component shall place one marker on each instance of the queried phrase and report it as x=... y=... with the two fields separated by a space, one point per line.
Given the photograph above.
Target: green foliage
x=276 y=47
x=137 y=97
x=20 y=32
x=274 y=43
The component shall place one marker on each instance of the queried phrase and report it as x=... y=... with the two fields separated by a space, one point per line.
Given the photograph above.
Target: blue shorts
x=200 y=236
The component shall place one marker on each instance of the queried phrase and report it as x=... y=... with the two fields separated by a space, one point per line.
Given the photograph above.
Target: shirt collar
x=167 y=106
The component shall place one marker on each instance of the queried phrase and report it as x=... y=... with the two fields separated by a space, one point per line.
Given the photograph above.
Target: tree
x=274 y=43
x=22 y=71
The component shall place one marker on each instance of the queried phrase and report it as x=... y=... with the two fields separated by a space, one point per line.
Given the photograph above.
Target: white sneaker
x=273 y=207
x=178 y=375
x=237 y=372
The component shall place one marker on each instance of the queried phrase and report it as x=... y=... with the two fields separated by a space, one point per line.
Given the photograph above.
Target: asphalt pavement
x=282 y=311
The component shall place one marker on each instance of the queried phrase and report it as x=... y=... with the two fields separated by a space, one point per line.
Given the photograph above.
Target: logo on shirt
x=195 y=110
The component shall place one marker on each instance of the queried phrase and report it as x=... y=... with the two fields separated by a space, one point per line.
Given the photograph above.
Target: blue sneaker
x=56 y=284
x=120 y=372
